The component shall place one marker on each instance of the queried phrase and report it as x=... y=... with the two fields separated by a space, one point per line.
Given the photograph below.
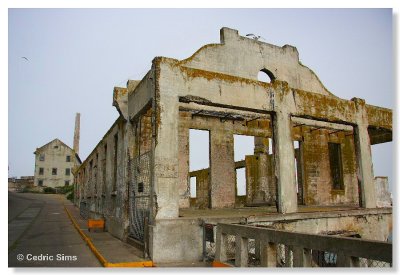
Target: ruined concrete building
x=137 y=178
x=18 y=185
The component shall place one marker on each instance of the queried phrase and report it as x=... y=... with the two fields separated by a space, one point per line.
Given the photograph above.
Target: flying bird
x=25 y=58
x=255 y=37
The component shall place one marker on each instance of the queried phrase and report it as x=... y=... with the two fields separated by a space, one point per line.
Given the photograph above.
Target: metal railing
x=243 y=245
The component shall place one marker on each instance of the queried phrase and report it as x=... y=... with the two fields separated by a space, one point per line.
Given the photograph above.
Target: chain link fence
x=84 y=210
x=373 y=263
x=139 y=195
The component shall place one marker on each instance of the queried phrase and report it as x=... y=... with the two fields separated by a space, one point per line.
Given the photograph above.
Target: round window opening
x=265 y=76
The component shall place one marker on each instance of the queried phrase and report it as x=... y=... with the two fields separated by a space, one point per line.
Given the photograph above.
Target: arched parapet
x=244 y=57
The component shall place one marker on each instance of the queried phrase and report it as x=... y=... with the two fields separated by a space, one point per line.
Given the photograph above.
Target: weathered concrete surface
x=284 y=156
x=183 y=158
x=253 y=56
x=372 y=227
x=364 y=158
x=318 y=183
x=180 y=239
x=101 y=180
x=17 y=185
x=222 y=173
x=120 y=101
x=383 y=198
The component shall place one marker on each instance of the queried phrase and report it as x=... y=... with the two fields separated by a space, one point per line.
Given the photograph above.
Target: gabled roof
x=38 y=150
x=47 y=144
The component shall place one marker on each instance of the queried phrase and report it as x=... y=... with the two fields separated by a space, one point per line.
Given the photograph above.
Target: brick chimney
x=76 y=133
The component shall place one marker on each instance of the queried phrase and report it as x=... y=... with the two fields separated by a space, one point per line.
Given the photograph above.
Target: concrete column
x=222 y=168
x=183 y=158
x=268 y=254
x=347 y=261
x=221 y=245
x=241 y=251
x=261 y=145
x=262 y=184
x=166 y=150
x=284 y=164
x=301 y=257
x=363 y=154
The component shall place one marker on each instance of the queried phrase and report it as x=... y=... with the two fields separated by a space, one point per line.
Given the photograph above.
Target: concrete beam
x=321 y=124
x=379 y=117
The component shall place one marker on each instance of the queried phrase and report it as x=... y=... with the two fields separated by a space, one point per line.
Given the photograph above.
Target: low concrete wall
x=181 y=240
x=176 y=240
x=114 y=228
x=372 y=227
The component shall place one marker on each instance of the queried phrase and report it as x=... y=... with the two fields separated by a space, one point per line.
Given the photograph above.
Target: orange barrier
x=219 y=264
x=95 y=224
x=132 y=264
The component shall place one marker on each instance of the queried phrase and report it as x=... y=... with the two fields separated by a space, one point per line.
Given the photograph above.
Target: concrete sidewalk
x=111 y=248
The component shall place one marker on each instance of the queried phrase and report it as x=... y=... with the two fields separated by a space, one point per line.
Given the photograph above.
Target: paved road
x=40 y=231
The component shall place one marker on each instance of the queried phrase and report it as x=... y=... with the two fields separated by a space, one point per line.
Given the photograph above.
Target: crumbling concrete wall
x=103 y=176
x=253 y=56
x=382 y=190
x=318 y=181
x=102 y=181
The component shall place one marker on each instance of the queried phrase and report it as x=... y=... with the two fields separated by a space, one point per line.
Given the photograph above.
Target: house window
x=54 y=171
x=66 y=183
x=40 y=182
x=41 y=171
x=68 y=158
x=41 y=157
x=335 y=162
x=67 y=171
x=56 y=147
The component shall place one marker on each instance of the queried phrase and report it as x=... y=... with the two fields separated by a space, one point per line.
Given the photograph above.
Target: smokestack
x=76 y=133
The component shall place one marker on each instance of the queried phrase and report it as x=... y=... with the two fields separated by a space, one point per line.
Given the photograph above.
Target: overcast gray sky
x=77 y=56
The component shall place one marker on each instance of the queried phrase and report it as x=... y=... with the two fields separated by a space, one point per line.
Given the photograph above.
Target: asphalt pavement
x=40 y=234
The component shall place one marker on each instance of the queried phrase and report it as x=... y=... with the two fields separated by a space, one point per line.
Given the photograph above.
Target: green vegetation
x=49 y=190
x=65 y=189
x=68 y=191
x=70 y=196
